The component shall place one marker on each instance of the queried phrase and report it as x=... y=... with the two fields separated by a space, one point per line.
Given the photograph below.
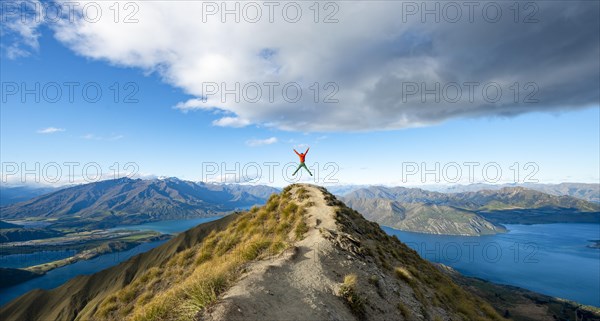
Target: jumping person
x=302 y=157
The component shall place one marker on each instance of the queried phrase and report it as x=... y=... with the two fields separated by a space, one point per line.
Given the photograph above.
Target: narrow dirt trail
x=299 y=285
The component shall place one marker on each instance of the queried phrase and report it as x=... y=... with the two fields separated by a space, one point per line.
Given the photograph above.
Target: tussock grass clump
x=289 y=209
x=126 y=295
x=350 y=295
x=254 y=249
x=331 y=200
x=203 y=257
x=404 y=274
x=303 y=194
x=195 y=277
x=108 y=306
x=301 y=229
x=287 y=191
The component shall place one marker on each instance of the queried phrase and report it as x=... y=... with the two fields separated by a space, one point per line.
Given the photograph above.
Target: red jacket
x=302 y=155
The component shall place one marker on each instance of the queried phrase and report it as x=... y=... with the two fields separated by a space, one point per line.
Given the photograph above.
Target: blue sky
x=563 y=142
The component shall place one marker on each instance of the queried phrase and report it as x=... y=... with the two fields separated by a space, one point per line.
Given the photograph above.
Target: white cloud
x=362 y=61
x=231 y=122
x=50 y=130
x=261 y=142
x=20 y=22
x=113 y=137
x=191 y=104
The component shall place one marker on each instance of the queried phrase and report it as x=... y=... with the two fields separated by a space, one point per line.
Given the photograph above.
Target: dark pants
x=300 y=166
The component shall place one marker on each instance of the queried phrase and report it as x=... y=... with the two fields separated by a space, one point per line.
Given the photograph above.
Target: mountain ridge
x=474 y=200
x=585 y=191
x=424 y=218
x=131 y=201
x=467 y=213
x=303 y=255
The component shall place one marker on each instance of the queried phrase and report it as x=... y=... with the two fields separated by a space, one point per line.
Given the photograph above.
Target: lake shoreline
x=59 y=275
x=551 y=259
x=14 y=276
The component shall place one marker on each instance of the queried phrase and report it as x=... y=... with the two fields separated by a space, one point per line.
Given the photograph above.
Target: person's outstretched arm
x=296 y=152
x=306 y=152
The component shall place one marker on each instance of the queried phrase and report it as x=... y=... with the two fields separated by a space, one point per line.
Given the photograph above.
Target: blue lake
x=61 y=275
x=168 y=227
x=552 y=259
x=16 y=261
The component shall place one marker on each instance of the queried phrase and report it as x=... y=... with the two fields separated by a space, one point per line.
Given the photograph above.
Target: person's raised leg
x=297 y=169
x=308 y=170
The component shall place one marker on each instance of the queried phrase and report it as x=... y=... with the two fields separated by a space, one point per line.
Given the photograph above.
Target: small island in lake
x=595 y=245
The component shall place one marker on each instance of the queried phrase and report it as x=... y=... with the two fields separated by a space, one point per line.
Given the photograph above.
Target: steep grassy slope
x=82 y=294
x=195 y=278
x=174 y=280
x=432 y=295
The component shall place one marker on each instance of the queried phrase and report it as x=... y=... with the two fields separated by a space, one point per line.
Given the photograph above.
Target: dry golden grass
x=348 y=291
x=405 y=275
x=195 y=277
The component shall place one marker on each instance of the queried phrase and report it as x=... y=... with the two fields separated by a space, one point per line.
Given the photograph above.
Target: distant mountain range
x=423 y=218
x=467 y=213
x=588 y=192
x=584 y=191
x=131 y=201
